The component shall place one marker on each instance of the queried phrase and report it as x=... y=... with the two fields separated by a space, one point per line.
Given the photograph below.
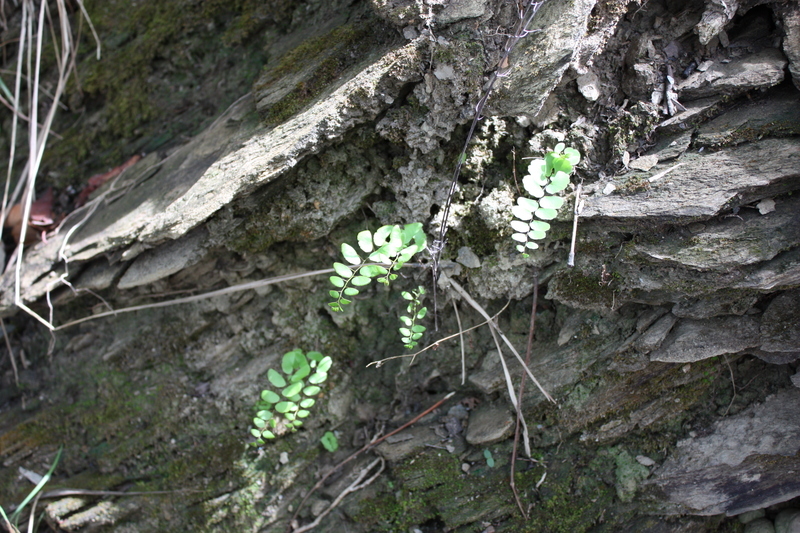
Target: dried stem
x=528 y=349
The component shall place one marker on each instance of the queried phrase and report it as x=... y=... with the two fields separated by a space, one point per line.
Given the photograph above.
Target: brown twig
x=365 y=448
x=528 y=349
x=10 y=352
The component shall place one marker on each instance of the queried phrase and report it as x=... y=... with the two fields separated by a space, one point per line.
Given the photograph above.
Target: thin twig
x=528 y=349
x=502 y=68
x=198 y=297
x=437 y=343
x=354 y=486
x=366 y=447
x=577 y=213
x=494 y=327
x=733 y=384
x=461 y=338
x=10 y=352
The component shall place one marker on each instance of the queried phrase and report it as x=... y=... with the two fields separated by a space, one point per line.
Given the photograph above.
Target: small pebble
x=644 y=460
x=284 y=458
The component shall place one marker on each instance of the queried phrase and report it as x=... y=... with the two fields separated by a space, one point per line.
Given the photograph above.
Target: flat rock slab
x=488 y=425
x=695 y=340
x=749 y=461
x=777 y=115
x=759 y=70
x=748 y=239
x=231 y=158
x=702 y=185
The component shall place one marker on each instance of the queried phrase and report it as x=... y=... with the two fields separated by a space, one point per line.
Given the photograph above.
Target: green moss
x=586 y=291
x=157 y=78
x=333 y=52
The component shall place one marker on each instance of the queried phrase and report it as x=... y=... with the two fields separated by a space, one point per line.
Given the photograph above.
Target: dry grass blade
x=464 y=294
x=65 y=51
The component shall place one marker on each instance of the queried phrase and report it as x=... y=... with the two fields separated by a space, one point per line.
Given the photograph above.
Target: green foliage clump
x=329 y=441
x=546 y=177
x=280 y=413
x=411 y=331
x=392 y=246
x=388 y=249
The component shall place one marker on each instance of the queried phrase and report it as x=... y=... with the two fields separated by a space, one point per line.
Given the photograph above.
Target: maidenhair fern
x=382 y=254
x=391 y=246
x=546 y=177
x=411 y=330
x=280 y=413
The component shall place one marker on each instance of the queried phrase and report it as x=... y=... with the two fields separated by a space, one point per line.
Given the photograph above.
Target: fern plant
x=278 y=414
x=546 y=177
x=411 y=330
x=391 y=246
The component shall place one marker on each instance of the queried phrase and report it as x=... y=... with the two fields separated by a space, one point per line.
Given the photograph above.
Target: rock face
x=671 y=347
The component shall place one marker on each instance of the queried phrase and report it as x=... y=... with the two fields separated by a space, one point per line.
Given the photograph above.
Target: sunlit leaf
x=317 y=378
x=350 y=255
x=536 y=170
x=269 y=396
x=551 y=202
x=259 y=423
x=288 y=361
x=360 y=281
x=559 y=183
x=382 y=235
x=573 y=156
x=275 y=378
x=531 y=246
x=520 y=237
x=538 y=225
x=519 y=225
x=372 y=271
x=325 y=364
x=308 y=402
x=283 y=407
x=532 y=186
x=343 y=270
x=337 y=281
x=311 y=390
x=521 y=213
x=527 y=203
x=536 y=235
x=364 y=239
x=302 y=413
x=292 y=389
x=546 y=214
x=350 y=291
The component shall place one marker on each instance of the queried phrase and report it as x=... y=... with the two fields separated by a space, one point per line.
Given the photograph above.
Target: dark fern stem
x=527 y=11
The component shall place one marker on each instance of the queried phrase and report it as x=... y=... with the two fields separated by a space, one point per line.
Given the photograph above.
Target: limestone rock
x=695 y=340
x=716 y=15
x=759 y=70
x=524 y=91
x=489 y=424
x=760 y=525
x=780 y=324
x=747 y=462
x=788 y=521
